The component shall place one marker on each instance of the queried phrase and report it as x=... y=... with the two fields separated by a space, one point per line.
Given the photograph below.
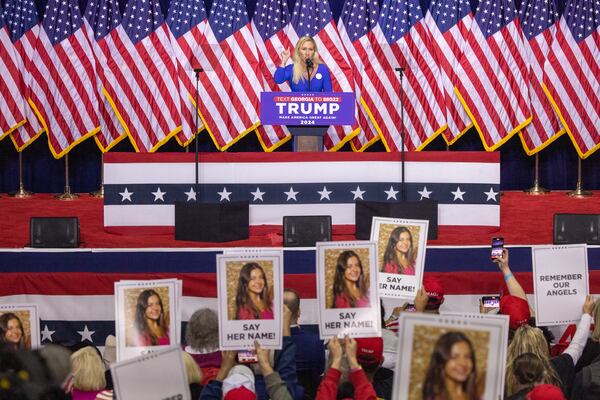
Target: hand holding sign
x=335 y=350
x=421 y=300
x=588 y=305
x=351 y=349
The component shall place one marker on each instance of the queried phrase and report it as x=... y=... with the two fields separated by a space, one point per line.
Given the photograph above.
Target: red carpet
x=524 y=220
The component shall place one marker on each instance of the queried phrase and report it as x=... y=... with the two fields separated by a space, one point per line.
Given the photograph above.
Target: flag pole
x=197 y=185
x=21 y=193
x=67 y=195
x=400 y=70
x=536 y=189
x=100 y=192
x=579 y=192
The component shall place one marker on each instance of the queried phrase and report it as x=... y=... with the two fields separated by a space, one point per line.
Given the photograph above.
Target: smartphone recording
x=497 y=247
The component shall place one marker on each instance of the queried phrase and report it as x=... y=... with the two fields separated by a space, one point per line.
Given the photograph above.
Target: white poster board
x=159 y=375
x=347 y=289
x=401 y=245
x=250 y=298
x=146 y=316
x=425 y=340
x=560 y=283
x=26 y=317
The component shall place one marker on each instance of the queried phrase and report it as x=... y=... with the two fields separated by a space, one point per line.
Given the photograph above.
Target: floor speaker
x=366 y=210
x=576 y=228
x=54 y=232
x=212 y=222
x=306 y=230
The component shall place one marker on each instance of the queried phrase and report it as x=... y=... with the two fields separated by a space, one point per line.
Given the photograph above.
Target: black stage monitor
x=366 y=210
x=212 y=222
x=306 y=230
x=576 y=228
x=54 y=232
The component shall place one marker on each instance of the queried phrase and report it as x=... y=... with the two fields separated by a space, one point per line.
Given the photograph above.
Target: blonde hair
x=193 y=372
x=87 y=369
x=528 y=339
x=596 y=332
x=299 y=65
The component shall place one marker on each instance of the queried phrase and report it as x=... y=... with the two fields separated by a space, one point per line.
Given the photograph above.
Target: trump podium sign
x=288 y=108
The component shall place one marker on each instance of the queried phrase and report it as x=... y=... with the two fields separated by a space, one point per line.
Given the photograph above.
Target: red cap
x=435 y=290
x=240 y=393
x=369 y=351
x=516 y=308
x=546 y=392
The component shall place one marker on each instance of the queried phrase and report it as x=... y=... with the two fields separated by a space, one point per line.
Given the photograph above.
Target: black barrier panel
x=306 y=230
x=211 y=222
x=576 y=228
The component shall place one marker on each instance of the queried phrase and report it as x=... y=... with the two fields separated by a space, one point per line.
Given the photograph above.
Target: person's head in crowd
x=239 y=384
x=151 y=320
x=88 y=370
x=369 y=353
x=202 y=331
x=517 y=310
x=528 y=370
x=350 y=286
x=192 y=371
x=596 y=315
x=528 y=339
x=546 y=392
x=435 y=293
x=58 y=360
x=400 y=255
x=292 y=300
x=253 y=297
x=11 y=331
x=452 y=368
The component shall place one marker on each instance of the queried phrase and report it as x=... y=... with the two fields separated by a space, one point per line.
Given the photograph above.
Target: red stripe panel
x=205 y=285
x=431 y=156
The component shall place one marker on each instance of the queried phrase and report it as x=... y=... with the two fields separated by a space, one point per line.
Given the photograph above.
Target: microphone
x=309 y=63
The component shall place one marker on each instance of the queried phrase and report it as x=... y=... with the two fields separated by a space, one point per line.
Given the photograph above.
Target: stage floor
x=525 y=220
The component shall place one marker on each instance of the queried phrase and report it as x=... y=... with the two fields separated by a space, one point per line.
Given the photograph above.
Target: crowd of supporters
x=342 y=368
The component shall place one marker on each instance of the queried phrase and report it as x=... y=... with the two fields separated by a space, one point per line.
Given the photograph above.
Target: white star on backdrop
x=47 y=334
x=424 y=193
x=258 y=195
x=458 y=194
x=324 y=193
x=291 y=194
x=191 y=195
x=358 y=194
x=224 y=194
x=159 y=195
x=491 y=195
x=126 y=195
x=86 y=334
x=391 y=194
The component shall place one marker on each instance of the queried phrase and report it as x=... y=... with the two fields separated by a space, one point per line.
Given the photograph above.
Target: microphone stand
x=402 y=150
x=197 y=185
x=309 y=67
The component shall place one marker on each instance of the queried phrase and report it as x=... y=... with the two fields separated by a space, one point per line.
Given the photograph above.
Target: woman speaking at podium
x=306 y=74
x=306 y=63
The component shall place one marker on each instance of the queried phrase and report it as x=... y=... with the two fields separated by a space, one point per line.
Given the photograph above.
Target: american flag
x=63 y=85
x=100 y=18
x=403 y=40
x=539 y=21
x=572 y=73
x=313 y=17
x=492 y=76
x=270 y=26
x=12 y=103
x=449 y=22
x=357 y=20
x=187 y=22
x=145 y=92
x=22 y=26
x=233 y=86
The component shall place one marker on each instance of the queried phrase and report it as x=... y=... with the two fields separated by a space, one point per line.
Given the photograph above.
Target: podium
x=307 y=115
x=307 y=138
